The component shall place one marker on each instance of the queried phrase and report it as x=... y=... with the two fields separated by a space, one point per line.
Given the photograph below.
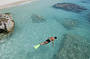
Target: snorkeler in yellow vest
x=50 y=39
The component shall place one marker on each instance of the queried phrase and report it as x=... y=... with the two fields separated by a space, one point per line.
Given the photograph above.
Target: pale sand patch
x=15 y=3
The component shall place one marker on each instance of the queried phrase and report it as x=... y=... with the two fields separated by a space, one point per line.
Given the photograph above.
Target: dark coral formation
x=69 y=7
x=73 y=47
x=37 y=18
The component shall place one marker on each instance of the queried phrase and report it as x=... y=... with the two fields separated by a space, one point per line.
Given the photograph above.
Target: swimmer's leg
x=43 y=43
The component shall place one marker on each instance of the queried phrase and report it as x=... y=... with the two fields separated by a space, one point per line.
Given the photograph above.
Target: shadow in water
x=37 y=19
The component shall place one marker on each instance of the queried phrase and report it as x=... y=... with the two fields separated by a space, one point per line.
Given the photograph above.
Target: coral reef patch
x=69 y=7
x=73 y=47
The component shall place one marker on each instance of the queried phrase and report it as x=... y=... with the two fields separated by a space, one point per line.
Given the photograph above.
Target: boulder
x=6 y=24
x=69 y=7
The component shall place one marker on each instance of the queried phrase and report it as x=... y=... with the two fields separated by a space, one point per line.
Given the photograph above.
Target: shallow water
x=27 y=34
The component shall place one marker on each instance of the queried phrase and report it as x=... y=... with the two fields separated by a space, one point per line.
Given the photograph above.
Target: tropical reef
x=73 y=46
x=37 y=18
x=69 y=7
x=6 y=24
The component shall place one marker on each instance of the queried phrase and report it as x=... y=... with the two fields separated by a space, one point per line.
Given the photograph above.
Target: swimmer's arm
x=53 y=43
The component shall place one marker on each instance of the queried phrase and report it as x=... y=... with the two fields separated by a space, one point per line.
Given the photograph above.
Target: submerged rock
x=69 y=7
x=73 y=47
x=69 y=23
x=84 y=2
x=37 y=18
x=6 y=24
x=88 y=17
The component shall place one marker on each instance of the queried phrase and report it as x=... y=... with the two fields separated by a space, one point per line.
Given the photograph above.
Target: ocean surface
x=30 y=31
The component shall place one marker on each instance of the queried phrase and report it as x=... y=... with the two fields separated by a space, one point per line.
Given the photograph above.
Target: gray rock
x=6 y=25
x=69 y=7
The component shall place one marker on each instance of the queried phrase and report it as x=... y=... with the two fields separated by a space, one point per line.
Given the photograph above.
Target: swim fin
x=37 y=46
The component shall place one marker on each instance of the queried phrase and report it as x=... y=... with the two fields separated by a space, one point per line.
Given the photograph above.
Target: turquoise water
x=27 y=34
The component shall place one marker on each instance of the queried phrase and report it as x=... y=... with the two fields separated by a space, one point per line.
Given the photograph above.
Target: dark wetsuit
x=48 y=40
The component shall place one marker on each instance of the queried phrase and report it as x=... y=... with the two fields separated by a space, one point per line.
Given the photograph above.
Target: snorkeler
x=50 y=39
